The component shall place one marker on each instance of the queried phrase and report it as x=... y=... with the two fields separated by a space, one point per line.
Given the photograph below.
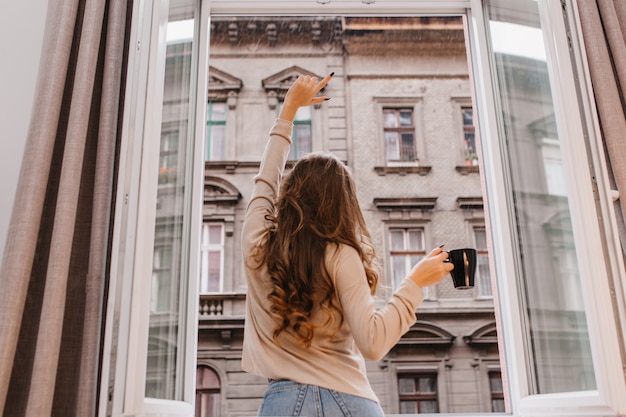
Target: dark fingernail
x=441 y=246
x=327 y=98
x=332 y=73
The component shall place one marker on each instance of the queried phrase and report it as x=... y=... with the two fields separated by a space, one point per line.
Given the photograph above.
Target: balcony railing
x=220 y=305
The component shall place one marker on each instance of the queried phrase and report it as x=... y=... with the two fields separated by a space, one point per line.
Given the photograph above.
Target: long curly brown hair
x=317 y=207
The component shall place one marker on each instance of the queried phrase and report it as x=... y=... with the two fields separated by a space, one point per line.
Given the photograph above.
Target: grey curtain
x=604 y=32
x=55 y=264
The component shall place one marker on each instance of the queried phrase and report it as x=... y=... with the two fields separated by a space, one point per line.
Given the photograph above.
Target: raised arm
x=303 y=92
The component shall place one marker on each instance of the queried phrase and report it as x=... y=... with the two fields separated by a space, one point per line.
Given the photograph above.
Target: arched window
x=207 y=392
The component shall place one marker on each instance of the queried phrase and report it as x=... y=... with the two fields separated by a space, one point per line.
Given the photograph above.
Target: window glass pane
x=428 y=407
x=215 y=234
x=555 y=176
x=397 y=240
x=390 y=119
x=392 y=146
x=168 y=157
x=408 y=407
x=217 y=142
x=211 y=258
x=480 y=238
x=217 y=112
x=302 y=139
x=468 y=118
x=207 y=405
x=215 y=269
x=556 y=318
x=166 y=337
x=415 y=240
x=408 y=147
x=216 y=131
x=470 y=143
x=398 y=264
x=483 y=281
x=406 y=385
x=497 y=405
x=495 y=384
x=203 y=287
x=427 y=385
x=406 y=118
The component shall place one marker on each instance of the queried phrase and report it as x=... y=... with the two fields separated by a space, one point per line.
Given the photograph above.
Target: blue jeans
x=287 y=398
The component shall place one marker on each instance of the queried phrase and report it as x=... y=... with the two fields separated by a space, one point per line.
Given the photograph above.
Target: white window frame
x=126 y=330
x=604 y=338
x=598 y=246
x=209 y=247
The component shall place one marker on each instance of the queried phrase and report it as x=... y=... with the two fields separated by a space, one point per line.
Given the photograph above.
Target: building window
x=556 y=183
x=212 y=258
x=418 y=393
x=483 y=275
x=469 y=136
x=406 y=249
x=399 y=135
x=168 y=157
x=302 y=134
x=207 y=392
x=161 y=280
x=216 y=131
x=497 y=391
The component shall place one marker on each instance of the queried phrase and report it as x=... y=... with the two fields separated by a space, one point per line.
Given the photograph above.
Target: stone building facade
x=401 y=117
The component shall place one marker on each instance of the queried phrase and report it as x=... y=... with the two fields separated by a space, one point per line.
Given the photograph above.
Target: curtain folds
x=55 y=261
x=604 y=32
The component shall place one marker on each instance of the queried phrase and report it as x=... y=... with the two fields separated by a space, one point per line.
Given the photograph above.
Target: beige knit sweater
x=335 y=359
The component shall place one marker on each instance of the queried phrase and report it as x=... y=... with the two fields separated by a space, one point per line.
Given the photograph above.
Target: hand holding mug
x=432 y=268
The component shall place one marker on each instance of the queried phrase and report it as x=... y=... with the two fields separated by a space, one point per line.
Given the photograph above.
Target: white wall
x=21 y=37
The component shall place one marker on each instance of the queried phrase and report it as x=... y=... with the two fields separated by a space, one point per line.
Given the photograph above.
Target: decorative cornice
x=427 y=333
x=271 y=31
x=223 y=87
x=218 y=190
x=484 y=335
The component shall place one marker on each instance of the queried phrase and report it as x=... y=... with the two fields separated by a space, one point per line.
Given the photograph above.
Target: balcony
x=220 y=306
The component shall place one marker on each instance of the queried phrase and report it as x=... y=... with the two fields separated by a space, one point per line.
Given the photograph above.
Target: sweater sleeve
x=375 y=330
x=266 y=184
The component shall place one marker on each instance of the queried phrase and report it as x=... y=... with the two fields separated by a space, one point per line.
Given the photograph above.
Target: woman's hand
x=431 y=269
x=303 y=93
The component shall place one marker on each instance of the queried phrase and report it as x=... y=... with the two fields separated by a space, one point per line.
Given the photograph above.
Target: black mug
x=464 y=261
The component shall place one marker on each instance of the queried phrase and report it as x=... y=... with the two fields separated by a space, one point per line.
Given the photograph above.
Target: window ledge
x=402 y=170
x=467 y=169
x=232 y=166
x=454 y=306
